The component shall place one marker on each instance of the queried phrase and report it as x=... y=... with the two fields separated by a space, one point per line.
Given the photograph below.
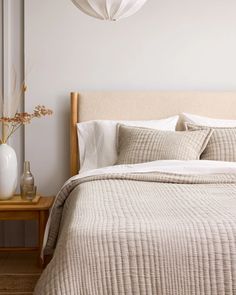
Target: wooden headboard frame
x=74 y=119
x=144 y=105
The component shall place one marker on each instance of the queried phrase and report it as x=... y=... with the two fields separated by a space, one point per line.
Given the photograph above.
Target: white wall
x=185 y=44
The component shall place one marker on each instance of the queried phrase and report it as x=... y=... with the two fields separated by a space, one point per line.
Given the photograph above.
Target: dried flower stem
x=11 y=124
x=4 y=131
x=14 y=128
x=11 y=119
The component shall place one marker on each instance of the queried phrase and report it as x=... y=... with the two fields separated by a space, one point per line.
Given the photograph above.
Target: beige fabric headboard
x=144 y=105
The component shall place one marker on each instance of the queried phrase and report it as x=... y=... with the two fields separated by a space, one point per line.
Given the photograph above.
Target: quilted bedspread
x=147 y=233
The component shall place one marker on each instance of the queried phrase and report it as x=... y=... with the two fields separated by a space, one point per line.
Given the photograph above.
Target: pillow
x=205 y=121
x=138 y=145
x=222 y=144
x=98 y=140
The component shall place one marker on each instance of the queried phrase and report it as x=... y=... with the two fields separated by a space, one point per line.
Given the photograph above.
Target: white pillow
x=209 y=122
x=98 y=140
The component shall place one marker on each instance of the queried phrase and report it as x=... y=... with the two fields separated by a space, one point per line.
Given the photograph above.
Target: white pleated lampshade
x=109 y=9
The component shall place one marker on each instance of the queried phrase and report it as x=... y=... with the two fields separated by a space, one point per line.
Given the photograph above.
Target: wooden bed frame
x=74 y=149
x=143 y=105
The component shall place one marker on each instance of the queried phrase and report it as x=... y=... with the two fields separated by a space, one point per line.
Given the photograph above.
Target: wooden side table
x=28 y=211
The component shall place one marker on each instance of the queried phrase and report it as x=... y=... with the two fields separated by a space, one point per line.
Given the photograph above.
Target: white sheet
x=168 y=166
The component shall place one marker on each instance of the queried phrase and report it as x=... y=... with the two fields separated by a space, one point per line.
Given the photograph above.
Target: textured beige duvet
x=143 y=234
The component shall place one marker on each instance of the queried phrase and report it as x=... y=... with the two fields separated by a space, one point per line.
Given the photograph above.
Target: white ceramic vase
x=8 y=172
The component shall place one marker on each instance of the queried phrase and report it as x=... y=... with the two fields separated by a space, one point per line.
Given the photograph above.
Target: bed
x=156 y=227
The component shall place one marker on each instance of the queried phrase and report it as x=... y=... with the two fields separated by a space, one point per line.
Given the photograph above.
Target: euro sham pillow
x=98 y=140
x=222 y=144
x=139 y=145
x=208 y=122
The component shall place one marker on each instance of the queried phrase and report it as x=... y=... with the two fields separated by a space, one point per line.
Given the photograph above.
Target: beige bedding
x=153 y=233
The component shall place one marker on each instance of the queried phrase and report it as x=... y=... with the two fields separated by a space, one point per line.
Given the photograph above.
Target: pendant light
x=109 y=9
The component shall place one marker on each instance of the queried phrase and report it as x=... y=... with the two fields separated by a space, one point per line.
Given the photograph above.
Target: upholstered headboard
x=144 y=105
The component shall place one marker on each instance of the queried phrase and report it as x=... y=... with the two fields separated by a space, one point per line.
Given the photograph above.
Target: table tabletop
x=44 y=203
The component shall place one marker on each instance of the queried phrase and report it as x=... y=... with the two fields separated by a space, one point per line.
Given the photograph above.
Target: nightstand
x=14 y=209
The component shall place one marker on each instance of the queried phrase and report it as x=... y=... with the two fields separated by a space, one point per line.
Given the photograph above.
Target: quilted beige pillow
x=222 y=144
x=138 y=145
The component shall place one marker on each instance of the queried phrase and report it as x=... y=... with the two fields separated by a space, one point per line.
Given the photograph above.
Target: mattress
x=162 y=228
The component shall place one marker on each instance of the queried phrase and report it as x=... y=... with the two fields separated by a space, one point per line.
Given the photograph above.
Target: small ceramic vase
x=8 y=172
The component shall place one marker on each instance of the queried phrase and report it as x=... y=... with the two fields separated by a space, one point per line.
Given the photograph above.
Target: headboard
x=144 y=105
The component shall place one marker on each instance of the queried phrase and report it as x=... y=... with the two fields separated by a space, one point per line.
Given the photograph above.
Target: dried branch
x=14 y=123
x=10 y=117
